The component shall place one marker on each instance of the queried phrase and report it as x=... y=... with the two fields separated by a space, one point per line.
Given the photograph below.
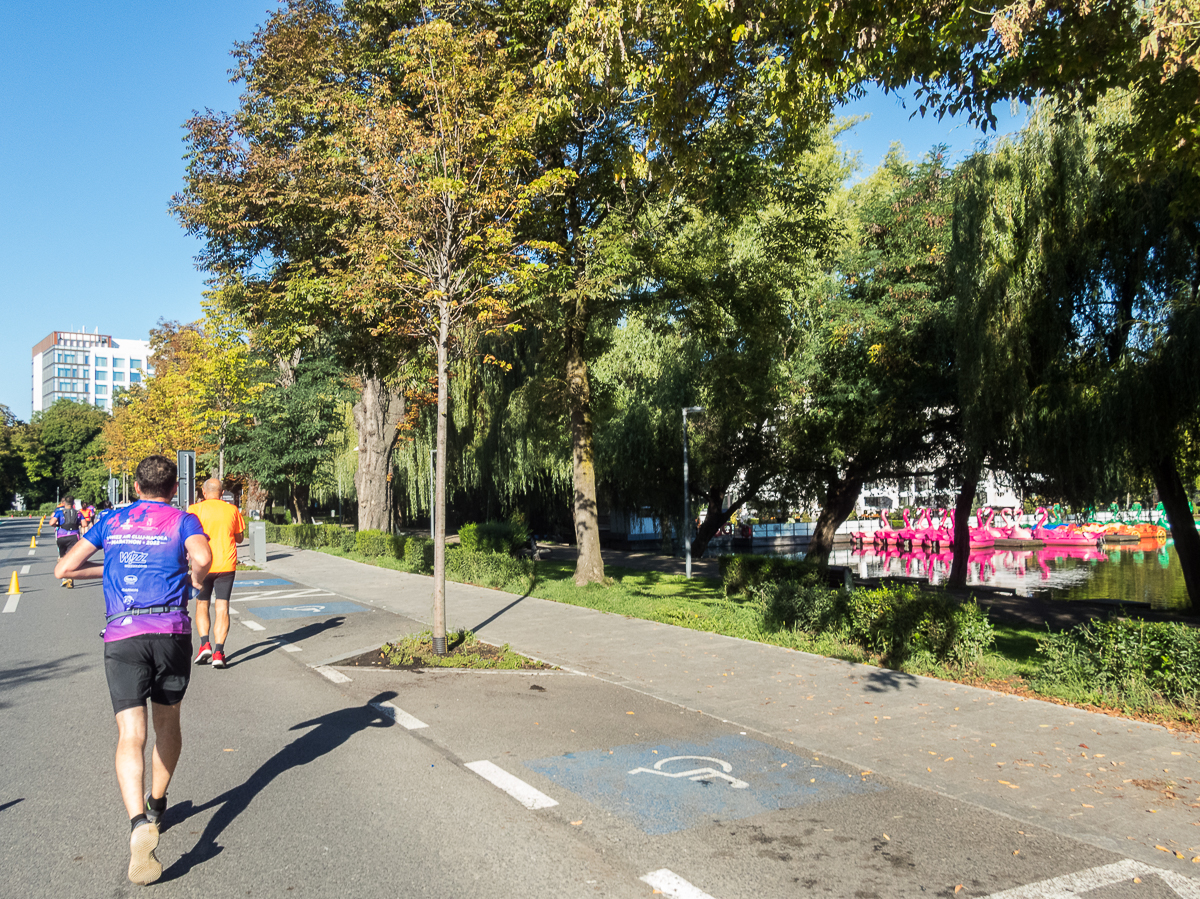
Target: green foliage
x=463 y=650
x=418 y=555
x=379 y=543
x=742 y=572
x=311 y=536
x=900 y=624
x=489 y=569
x=1122 y=660
x=493 y=537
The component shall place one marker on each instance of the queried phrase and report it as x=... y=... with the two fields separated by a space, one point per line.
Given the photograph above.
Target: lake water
x=1146 y=572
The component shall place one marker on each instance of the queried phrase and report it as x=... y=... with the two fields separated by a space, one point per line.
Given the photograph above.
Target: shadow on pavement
x=40 y=671
x=11 y=803
x=477 y=628
x=328 y=733
x=882 y=680
x=269 y=645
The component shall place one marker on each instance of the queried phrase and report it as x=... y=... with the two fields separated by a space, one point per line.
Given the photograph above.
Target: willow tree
x=1077 y=297
x=441 y=156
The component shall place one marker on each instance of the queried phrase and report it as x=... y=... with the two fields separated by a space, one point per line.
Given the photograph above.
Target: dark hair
x=157 y=476
x=68 y=500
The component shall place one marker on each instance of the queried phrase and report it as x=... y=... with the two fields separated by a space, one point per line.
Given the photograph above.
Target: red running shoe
x=218 y=659
x=203 y=655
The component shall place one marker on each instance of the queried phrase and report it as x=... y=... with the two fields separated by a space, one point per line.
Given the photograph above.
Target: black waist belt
x=144 y=610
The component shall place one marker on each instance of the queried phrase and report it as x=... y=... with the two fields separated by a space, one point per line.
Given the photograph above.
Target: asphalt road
x=324 y=781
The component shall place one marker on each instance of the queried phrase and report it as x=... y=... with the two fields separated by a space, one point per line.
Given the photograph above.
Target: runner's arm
x=74 y=563
x=200 y=555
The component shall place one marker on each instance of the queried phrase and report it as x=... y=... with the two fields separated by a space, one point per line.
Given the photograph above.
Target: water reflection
x=1145 y=572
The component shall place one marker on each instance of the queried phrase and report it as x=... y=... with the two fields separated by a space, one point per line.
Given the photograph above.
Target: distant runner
x=66 y=531
x=225 y=527
x=147 y=640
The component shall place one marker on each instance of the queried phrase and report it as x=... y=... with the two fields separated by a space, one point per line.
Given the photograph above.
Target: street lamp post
x=687 y=505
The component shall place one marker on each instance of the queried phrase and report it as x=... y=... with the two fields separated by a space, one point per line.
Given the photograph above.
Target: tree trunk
x=589 y=568
x=439 y=500
x=715 y=516
x=1183 y=530
x=376 y=415
x=962 y=531
x=300 y=505
x=840 y=497
x=254 y=498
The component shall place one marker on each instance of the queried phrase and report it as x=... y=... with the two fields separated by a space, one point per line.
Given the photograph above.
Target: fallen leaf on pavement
x=576 y=823
x=957 y=888
x=1163 y=848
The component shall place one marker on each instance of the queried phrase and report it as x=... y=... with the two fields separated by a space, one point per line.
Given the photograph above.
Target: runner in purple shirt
x=67 y=522
x=147 y=638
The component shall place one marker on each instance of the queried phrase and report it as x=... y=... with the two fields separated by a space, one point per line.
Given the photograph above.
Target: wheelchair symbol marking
x=704 y=773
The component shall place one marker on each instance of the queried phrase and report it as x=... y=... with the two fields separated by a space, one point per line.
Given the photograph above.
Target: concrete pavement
x=1118 y=784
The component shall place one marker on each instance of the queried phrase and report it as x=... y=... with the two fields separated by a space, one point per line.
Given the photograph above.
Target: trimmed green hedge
x=418 y=555
x=493 y=537
x=310 y=536
x=378 y=543
x=1123 y=659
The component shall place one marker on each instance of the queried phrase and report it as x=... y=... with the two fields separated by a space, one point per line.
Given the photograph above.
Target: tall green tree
x=285 y=442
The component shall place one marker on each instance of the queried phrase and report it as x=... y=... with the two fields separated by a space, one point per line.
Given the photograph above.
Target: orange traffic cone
x=14 y=586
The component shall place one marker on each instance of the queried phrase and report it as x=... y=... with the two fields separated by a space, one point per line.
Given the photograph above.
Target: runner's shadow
x=264 y=647
x=329 y=732
x=883 y=680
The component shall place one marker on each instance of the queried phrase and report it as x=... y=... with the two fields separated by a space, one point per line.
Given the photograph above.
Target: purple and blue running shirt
x=145 y=565
x=59 y=530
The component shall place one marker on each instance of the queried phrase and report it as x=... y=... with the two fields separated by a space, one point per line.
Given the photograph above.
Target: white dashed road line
x=336 y=676
x=672 y=885
x=254 y=625
x=400 y=716
x=513 y=786
x=11 y=605
x=33 y=552
x=287 y=647
x=25 y=569
x=1071 y=885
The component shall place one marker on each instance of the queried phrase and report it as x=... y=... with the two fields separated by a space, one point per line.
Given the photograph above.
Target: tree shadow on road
x=34 y=672
x=269 y=645
x=884 y=680
x=329 y=732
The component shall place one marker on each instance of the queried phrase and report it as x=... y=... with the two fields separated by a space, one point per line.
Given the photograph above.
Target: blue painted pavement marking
x=302 y=609
x=668 y=787
x=271 y=582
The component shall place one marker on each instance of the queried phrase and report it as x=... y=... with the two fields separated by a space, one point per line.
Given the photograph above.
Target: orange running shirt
x=222 y=523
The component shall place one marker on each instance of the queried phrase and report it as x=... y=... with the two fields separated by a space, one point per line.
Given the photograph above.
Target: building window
x=118 y=363
x=135 y=363
x=135 y=377
x=101 y=375
x=102 y=362
x=101 y=404
x=118 y=375
x=101 y=390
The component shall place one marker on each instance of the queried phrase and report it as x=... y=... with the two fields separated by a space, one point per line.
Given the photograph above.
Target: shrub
x=487 y=569
x=377 y=543
x=805 y=604
x=47 y=508
x=740 y=573
x=1123 y=658
x=418 y=555
x=898 y=622
x=494 y=536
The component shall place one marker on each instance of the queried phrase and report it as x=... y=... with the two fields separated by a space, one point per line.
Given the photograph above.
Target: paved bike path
x=1118 y=784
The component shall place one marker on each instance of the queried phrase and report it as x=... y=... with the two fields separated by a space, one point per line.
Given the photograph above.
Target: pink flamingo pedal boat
x=1070 y=535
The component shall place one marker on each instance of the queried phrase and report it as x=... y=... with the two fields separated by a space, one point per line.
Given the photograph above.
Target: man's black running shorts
x=65 y=543
x=149 y=666
x=220 y=583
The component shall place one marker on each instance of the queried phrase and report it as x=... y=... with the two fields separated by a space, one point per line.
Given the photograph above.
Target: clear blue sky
x=93 y=102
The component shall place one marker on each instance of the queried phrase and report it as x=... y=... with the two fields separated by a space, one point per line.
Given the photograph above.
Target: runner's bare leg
x=221 y=626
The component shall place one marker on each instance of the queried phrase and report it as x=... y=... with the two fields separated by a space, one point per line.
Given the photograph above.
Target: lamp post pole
x=687 y=504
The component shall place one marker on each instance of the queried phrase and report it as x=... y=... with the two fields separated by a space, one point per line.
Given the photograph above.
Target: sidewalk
x=1117 y=784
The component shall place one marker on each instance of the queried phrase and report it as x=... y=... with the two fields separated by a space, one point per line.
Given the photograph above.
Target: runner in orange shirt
x=225 y=527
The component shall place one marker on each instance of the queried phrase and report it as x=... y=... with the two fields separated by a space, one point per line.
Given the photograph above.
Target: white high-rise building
x=86 y=368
